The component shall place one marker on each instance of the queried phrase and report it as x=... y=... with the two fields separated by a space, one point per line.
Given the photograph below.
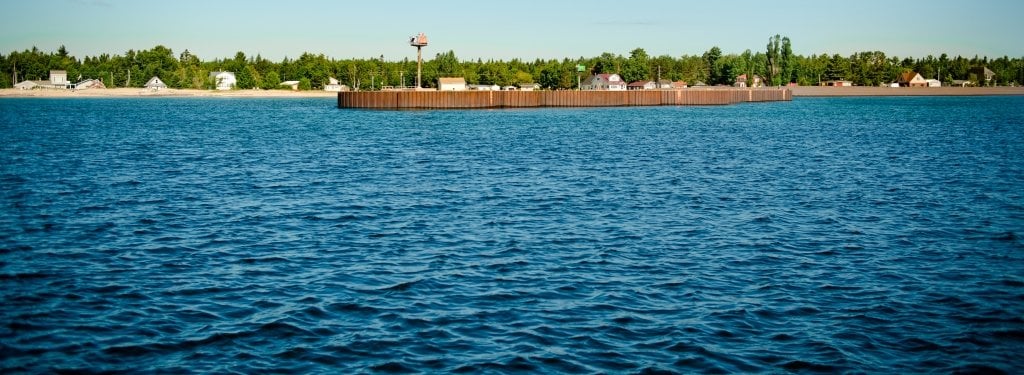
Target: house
x=90 y=84
x=293 y=85
x=59 y=79
x=223 y=80
x=663 y=84
x=603 y=82
x=962 y=83
x=28 y=85
x=933 y=83
x=155 y=84
x=485 y=87
x=743 y=81
x=983 y=74
x=509 y=88
x=528 y=86
x=641 y=85
x=838 y=83
x=451 y=84
x=911 y=79
x=679 y=85
x=334 y=86
x=699 y=84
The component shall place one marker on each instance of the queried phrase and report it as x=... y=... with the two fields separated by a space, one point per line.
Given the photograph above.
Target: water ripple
x=278 y=235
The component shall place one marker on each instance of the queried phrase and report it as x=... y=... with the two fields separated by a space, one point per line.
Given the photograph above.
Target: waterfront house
x=611 y=82
x=838 y=83
x=983 y=75
x=59 y=79
x=743 y=81
x=933 y=83
x=528 y=86
x=485 y=87
x=90 y=84
x=334 y=86
x=451 y=84
x=664 y=84
x=155 y=84
x=641 y=85
x=962 y=83
x=28 y=85
x=679 y=85
x=293 y=85
x=912 y=79
x=224 y=80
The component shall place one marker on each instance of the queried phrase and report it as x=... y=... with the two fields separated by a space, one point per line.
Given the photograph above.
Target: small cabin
x=293 y=85
x=155 y=84
x=451 y=84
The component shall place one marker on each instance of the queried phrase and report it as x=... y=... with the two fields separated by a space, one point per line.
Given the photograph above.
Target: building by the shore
x=58 y=80
x=155 y=84
x=223 y=80
x=912 y=79
x=451 y=84
x=641 y=85
x=334 y=86
x=611 y=82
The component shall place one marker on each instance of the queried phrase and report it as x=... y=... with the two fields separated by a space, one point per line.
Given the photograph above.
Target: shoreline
x=826 y=91
x=164 y=93
x=798 y=91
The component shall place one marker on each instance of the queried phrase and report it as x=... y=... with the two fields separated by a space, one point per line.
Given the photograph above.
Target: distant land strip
x=799 y=91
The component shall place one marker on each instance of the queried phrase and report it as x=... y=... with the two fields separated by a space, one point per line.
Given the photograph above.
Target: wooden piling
x=562 y=98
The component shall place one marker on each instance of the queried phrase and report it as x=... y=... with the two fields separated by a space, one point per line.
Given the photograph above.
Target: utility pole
x=129 y=82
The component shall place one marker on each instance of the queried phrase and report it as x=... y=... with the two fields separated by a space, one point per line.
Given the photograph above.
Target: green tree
x=271 y=81
x=711 y=67
x=786 y=62
x=305 y=84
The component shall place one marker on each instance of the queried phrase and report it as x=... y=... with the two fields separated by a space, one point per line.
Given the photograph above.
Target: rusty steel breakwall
x=528 y=99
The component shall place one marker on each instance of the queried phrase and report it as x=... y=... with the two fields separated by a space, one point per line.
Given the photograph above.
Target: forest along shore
x=904 y=91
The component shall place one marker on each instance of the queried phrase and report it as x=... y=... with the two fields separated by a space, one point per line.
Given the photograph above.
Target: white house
x=334 y=86
x=933 y=83
x=642 y=85
x=451 y=84
x=155 y=84
x=528 y=86
x=664 y=84
x=293 y=85
x=603 y=82
x=485 y=87
x=28 y=85
x=224 y=80
x=59 y=79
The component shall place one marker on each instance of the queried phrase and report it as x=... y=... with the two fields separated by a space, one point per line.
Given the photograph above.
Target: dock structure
x=531 y=99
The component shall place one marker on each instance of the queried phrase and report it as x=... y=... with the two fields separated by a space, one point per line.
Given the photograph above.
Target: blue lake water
x=285 y=235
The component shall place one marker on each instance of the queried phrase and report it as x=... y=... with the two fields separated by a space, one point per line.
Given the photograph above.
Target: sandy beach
x=904 y=91
x=139 y=92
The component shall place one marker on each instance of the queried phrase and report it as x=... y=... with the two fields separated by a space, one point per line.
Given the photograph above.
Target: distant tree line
x=777 y=64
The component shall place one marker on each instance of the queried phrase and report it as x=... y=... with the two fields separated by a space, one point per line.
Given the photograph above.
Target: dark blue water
x=285 y=235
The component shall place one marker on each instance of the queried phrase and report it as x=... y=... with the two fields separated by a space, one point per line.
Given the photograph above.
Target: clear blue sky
x=526 y=29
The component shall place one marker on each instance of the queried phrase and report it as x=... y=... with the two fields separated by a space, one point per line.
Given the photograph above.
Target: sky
x=524 y=29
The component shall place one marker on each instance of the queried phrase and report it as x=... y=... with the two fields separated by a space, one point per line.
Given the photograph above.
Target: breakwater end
x=531 y=99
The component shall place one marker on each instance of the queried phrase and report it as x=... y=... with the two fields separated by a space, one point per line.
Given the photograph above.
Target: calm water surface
x=284 y=235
